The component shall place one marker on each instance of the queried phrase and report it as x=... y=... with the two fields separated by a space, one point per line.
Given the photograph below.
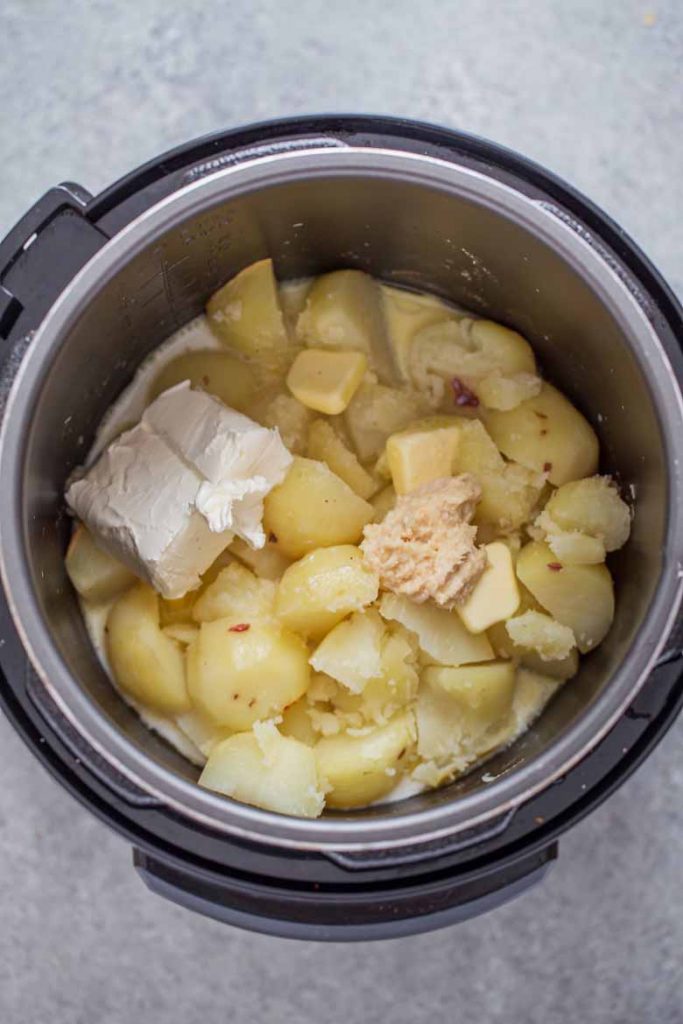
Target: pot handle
x=41 y=254
x=336 y=916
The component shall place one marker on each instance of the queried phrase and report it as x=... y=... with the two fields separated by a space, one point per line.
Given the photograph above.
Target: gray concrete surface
x=591 y=89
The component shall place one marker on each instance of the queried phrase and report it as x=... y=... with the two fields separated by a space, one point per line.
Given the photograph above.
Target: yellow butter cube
x=496 y=595
x=326 y=381
x=418 y=457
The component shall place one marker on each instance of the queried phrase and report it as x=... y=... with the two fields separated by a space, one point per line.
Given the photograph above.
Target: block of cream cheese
x=166 y=497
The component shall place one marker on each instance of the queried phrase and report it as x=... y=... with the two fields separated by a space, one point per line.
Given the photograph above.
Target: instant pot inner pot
x=405 y=233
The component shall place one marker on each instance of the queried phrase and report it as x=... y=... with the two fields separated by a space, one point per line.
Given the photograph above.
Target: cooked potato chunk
x=146 y=664
x=246 y=671
x=94 y=573
x=592 y=507
x=314 y=508
x=326 y=380
x=540 y=633
x=496 y=595
x=246 y=315
x=267 y=562
x=177 y=610
x=576 y=548
x=406 y=313
x=456 y=707
x=198 y=729
x=417 y=457
x=296 y=722
x=351 y=653
x=468 y=351
x=360 y=769
x=325 y=445
x=219 y=373
x=235 y=592
x=505 y=393
x=547 y=434
x=579 y=596
x=383 y=503
x=293 y=295
x=343 y=311
x=323 y=588
x=184 y=632
x=375 y=412
x=440 y=633
x=267 y=770
x=285 y=412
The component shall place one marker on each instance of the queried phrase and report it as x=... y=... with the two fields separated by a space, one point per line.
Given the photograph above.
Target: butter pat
x=168 y=496
x=496 y=595
x=418 y=457
x=326 y=381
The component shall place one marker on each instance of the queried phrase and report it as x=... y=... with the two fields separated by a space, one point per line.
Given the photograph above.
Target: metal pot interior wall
x=405 y=233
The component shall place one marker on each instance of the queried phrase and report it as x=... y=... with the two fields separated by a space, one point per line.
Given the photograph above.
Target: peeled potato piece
x=375 y=412
x=214 y=371
x=267 y=770
x=592 y=507
x=580 y=596
x=548 y=435
x=360 y=769
x=296 y=722
x=267 y=562
x=313 y=508
x=343 y=311
x=406 y=313
x=235 y=592
x=440 y=633
x=325 y=445
x=94 y=573
x=457 y=706
x=323 y=588
x=146 y=664
x=245 y=313
x=285 y=412
x=351 y=653
x=383 y=503
x=293 y=295
x=246 y=671
x=533 y=630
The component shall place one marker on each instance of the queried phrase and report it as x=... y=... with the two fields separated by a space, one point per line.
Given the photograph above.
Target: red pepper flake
x=555 y=566
x=547 y=466
x=272 y=538
x=241 y=627
x=252 y=702
x=462 y=395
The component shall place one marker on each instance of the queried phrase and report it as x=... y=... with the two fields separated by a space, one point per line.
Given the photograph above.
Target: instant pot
x=90 y=285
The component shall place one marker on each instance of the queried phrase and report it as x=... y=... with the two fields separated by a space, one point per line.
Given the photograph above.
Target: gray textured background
x=592 y=90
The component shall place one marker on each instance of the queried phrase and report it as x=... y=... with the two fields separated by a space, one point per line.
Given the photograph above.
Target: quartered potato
x=219 y=373
x=296 y=722
x=288 y=414
x=406 y=313
x=344 y=311
x=466 y=351
x=542 y=634
x=267 y=562
x=360 y=769
x=246 y=671
x=245 y=313
x=548 y=435
x=94 y=573
x=505 y=393
x=324 y=380
x=313 y=508
x=576 y=548
x=375 y=412
x=146 y=664
x=325 y=445
x=235 y=592
x=440 y=633
x=352 y=652
x=592 y=507
x=456 y=707
x=323 y=588
x=263 y=768
x=579 y=596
